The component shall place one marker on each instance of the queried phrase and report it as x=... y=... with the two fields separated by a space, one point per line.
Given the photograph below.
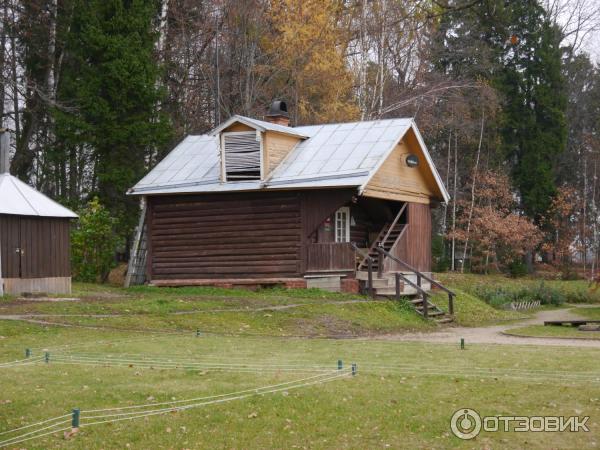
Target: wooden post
x=451 y=304
x=419 y=279
x=371 y=290
x=397 y=285
x=47 y=357
x=425 y=306
x=379 y=263
x=340 y=364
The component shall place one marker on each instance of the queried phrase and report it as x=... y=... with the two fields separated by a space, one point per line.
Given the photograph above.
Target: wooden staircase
x=393 y=233
x=385 y=287
x=389 y=235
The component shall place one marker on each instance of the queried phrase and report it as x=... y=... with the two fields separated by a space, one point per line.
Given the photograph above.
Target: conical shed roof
x=18 y=198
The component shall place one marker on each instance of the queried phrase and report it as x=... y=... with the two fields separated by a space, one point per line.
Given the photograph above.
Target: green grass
x=553 y=332
x=403 y=396
x=576 y=291
x=470 y=311
x=589 y=313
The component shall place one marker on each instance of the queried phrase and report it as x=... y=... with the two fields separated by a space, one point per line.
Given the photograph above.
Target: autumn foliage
x=497 y=234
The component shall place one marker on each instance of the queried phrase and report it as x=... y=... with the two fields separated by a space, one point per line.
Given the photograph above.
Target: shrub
x=517 y=268
x=93 y=243
x=499 y=297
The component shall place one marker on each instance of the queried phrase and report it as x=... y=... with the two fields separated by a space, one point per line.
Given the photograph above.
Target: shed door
x=10 y=246
x=34 y=247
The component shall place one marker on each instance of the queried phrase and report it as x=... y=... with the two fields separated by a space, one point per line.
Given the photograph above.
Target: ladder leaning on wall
x=136 y=270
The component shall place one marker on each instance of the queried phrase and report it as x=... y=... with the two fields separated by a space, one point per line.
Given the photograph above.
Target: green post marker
x=462 y=343
x=47 y=357
x=27 y=352
x=75 y=418
x=354 y=369
x=340 y=364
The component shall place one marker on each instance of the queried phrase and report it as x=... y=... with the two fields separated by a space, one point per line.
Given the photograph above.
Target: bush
x=93 y=243
x=499 y=297
x=517 y=268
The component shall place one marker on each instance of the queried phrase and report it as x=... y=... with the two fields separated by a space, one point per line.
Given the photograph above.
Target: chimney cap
x=278 y=108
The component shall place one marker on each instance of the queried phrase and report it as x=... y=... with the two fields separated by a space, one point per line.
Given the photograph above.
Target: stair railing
x=420 y=276
x=369 y=260
x=396 y=219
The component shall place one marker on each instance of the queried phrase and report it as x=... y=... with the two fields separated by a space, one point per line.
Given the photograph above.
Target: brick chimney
x=278 y=113
x=4 y=150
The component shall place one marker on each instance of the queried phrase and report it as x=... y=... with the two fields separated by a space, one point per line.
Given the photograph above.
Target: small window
x=241 y=155
x=342 y=225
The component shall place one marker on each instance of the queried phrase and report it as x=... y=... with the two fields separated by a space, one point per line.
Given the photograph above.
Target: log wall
x=239 y=235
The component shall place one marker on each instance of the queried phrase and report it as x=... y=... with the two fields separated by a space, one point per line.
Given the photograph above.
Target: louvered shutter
x=242 y=155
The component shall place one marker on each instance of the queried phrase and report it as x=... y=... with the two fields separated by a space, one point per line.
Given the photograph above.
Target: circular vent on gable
x=412 y=160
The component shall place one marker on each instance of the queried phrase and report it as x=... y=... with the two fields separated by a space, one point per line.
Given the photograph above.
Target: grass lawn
x=402 y=397
x=553 y=332
x=574 y=291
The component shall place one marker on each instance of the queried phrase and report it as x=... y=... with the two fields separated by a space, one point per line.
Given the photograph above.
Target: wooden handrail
x=369 y=268
x=420 y=275
x=385 y=238
x=412 y=269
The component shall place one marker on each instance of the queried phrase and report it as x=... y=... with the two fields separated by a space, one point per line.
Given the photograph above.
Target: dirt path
x=496 y=334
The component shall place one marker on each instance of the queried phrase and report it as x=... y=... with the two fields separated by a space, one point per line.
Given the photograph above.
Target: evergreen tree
x=513 y=46
x=109 y=83
x=533 y=125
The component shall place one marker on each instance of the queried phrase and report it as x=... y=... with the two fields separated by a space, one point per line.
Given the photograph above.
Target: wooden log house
x=259 y=202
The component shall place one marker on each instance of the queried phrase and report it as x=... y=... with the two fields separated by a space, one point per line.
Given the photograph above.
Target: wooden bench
x=573 y=323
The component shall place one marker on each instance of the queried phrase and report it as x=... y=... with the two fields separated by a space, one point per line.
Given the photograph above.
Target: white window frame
x=343 y=211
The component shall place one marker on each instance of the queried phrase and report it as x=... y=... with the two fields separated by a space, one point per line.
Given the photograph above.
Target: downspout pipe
x=4 y=168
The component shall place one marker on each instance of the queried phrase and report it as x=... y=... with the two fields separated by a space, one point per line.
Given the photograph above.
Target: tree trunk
x=472 y=206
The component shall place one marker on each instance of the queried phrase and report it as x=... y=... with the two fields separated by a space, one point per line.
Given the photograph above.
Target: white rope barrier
x=204 y=398
x=9 y=441
x=5 y=444
x=19 y=362
x=180 y=366
x=187 y=362
x=222 y=400
x=34 y=424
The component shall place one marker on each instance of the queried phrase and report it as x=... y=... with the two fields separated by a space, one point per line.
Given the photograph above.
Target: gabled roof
x=18 y=198
x=332 y=155
x=260 y=125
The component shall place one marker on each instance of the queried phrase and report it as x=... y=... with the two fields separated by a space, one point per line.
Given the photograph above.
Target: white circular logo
x=465 y=423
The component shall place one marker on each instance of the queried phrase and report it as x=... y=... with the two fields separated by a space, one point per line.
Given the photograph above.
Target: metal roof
x=332 y=155
x=259 y=125
x=18 y=198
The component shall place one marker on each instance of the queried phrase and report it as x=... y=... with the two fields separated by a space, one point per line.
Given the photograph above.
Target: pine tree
x=109 y=83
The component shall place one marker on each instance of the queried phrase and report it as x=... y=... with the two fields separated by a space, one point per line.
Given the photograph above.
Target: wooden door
x=10 y=238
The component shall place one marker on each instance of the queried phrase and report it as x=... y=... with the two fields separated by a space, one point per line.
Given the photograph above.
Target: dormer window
x=241 y=155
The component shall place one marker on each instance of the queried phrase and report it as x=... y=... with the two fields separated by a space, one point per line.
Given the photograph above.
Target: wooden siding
x=44 y=243
x=276 y=147
x=319 y=205
x=394 y=180
x=330 y=257
x=415 y=245
x=239 y=235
